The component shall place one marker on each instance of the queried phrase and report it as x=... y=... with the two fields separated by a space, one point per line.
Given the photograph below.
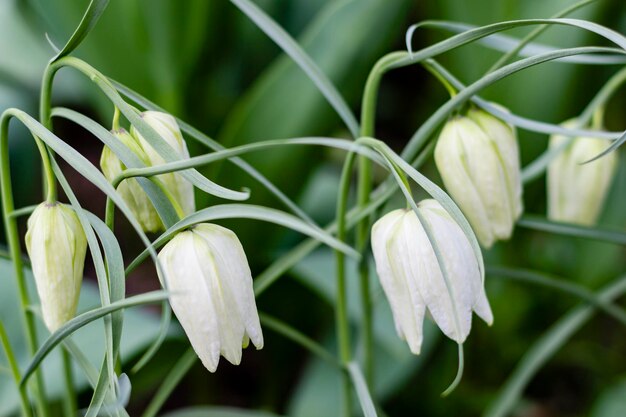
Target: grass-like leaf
x=159 y=200
x=247 y=211
x=506 y=43
x=566 y=229
x=84 y=319
x=363 y=394
x=544 y=348
x=216 y=146
x=302 y=59
x=87 y=23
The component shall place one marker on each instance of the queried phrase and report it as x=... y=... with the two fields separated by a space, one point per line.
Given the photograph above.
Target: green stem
x=364 y=189
x=15 y=371
x=449 y=87
x=13 y=240
x=341 y=310
x=69 y=402
x=44 y=117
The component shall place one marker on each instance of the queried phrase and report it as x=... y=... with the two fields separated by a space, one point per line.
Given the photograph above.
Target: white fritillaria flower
x=210 y=282
x=413 y=281
x=478 y=159
x=130 y=190
x=165 y=125
x=576 y=191
x=56 y=245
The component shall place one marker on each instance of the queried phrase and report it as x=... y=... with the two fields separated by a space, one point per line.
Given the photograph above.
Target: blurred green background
x=205 y=62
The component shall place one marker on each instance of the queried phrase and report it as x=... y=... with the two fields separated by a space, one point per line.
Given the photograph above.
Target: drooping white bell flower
x=56 y=244
x=130 y=190
x=413 y=280
x=167 y=127
x=576 y=191
x=207 y=273
x=478 y=158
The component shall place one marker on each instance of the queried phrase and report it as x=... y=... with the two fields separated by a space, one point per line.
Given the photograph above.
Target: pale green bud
x=165 y=125
x=56 y=245
x=413 y=280
x=576 y=191
x=478 y=158
x=130 y=190
x=207 y=273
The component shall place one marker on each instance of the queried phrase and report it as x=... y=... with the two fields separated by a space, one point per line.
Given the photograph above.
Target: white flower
x=576 y=191
x=165 y=125
x=210 y=282
x=56 y=245
x=413 y=281
x=130 y=190
x=478 y=159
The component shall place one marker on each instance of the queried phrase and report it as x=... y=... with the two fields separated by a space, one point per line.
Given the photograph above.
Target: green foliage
x=270 y=74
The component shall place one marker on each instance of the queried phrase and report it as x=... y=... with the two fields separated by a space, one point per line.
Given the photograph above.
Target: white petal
x=450 y=157
x=235 y=276
x=191 y=297
x=432 y=284
x=406 y=303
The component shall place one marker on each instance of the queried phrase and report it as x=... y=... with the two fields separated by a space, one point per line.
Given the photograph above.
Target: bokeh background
x=205 y=62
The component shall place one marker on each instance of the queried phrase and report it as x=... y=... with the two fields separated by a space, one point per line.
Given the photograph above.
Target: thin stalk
x=13 y=240
x=15 y=371
x=364 y=189
x=341 y=308
x=69 y=401
x=449 y=87
x=45 y=107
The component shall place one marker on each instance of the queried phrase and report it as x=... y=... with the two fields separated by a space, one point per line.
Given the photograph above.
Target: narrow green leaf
x=506 y=43
x=83 y=319
x=197 y=161
x=247 y=211
x=101 y=274
x=161 y=203
x=566 y=229
x=519 y=121
x=153 y=138
x=540 y=278
x=363 y=394
x=544 y=348
x=428 y=127
x=216 y=146
x=291 y=48
x=87 y=23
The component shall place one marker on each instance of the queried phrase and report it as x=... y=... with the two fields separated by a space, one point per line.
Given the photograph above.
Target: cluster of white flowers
x=424 y=259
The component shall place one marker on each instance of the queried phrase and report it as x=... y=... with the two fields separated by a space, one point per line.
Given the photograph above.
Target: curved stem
x=364 y=188
x=45 y=108
x=341 y=311
x=13 y=240
x=433 y=70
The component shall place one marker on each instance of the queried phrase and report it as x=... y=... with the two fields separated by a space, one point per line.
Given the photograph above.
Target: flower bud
x=165 y=125
x=413 y=280
x=130 y=190
x=576 y=191
x=207 y=273
x=56 y=245
x=478 y=159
